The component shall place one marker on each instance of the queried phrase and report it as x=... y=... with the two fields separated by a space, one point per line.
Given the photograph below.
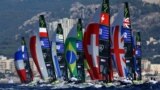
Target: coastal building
x=155 y=68
x=8 y=66
x=67 y=25
x=146 y=65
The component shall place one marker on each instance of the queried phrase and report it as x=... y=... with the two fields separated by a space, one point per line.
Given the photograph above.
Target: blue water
x=145 y=86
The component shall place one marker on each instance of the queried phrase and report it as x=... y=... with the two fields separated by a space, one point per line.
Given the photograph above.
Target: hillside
x=17 y=17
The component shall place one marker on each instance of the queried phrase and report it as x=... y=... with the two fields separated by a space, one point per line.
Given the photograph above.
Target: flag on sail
x=118 y=51
x=20 y=66
x=91 y=48
x=71 y=55
x=126 y=20
x=105 y=13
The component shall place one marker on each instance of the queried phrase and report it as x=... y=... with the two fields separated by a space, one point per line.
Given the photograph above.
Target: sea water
x=72 y=86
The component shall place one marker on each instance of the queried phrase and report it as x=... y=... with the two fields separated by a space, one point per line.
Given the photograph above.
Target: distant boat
x=29 y=73
x=138 y=53
x=22 y=63
x=20 y=67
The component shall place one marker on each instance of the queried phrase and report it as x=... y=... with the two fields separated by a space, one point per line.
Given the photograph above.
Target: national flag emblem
x=71 y=55
x=117 y=51
x=104 y=19
x=126 y=22
x=43 y=32
x=20 y=66
x=91 y=49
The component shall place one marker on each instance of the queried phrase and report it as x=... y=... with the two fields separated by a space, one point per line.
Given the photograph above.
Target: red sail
x=33 y=53
x=91 y=49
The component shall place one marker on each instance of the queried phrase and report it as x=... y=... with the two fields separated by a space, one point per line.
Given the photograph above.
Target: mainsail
x=128 y=41
x=104 y=42
x=36 y=53
x=60 y=52
x=54 y=57
x=46 y=47
x=25 y=56
x=138 y=53
x=80 y=52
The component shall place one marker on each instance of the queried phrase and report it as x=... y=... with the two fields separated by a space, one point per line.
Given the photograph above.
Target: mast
x=80 y=52
x=128 y=41
x=60 y=52
x=138 y=53
x=104 y=42
x=46 y=48
x=25 y=56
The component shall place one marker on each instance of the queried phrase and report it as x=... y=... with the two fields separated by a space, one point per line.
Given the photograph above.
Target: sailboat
x=20 y=67
x=138 y=53
x=25 y=55
x=46 y=48
x=60 y=52
x=22 y=63
x=104 y=42
x=128 y=42
x=80 y=52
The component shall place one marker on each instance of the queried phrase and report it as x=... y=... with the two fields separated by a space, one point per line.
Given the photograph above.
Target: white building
x=8 y=65
x=67 y=25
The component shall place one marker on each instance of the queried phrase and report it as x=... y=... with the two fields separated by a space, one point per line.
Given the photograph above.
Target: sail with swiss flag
x=91 y=48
